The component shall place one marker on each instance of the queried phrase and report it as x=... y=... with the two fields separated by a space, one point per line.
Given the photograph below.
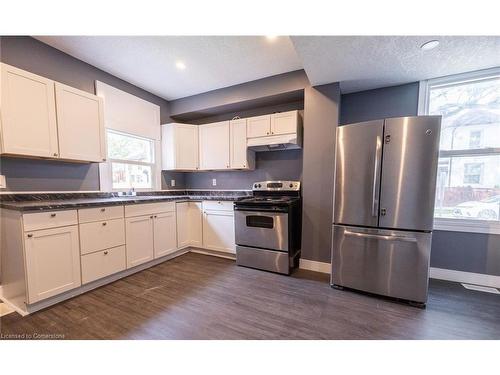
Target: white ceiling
x=212 y=62
x=368 y=62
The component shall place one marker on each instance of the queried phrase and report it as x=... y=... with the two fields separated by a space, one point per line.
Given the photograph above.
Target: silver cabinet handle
x=375 y=178
x=380 y=236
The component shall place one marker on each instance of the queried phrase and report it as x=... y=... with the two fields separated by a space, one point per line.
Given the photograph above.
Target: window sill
x=463 y=225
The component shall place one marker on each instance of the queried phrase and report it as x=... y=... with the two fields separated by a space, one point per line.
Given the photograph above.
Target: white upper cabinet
x=43 y=118
x=240 y=156
x=28 y=114
x=80 y=125
x=259 y=126
x=284 y=122
x=214 y=146
x=180 y=147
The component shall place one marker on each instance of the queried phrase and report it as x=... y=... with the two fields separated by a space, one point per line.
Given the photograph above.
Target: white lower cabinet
x=218 y=226
x=150 y=236
x=52 y=262
x=140 y=240
x=165 y=234
x=103 y=263
x=189 y=224
x=101 y=235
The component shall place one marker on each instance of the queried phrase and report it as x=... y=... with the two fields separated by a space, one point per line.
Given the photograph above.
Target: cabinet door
x=238 y=145
x=139 y=240
x=52 y=262
x=195 y=223
x=28 y=114
x=214 y=145
x=80 y=124
x=182 y=210
x=284 y=123
x=165 y=234
x=259 y=126
x=218 y=231
x=186 y=147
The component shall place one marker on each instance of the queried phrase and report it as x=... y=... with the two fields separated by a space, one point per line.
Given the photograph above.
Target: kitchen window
x=131 y=161
x=468 y=180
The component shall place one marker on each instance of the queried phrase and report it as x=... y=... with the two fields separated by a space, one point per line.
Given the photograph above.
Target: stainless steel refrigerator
x=384 y=206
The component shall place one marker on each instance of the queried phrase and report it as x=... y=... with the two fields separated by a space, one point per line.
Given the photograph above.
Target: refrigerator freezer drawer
x=386 y=262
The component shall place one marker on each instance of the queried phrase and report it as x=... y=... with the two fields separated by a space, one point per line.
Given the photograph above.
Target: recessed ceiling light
x=429 y=45
x=180 y=65
x=271 y=38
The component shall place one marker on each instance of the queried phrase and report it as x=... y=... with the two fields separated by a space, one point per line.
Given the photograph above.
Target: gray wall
x=321 y=114
x=36 y=57
x=368 y=105
x=469 y=252
x=272 y=165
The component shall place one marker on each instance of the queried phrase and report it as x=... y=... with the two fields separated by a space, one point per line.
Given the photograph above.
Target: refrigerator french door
x=384 y=205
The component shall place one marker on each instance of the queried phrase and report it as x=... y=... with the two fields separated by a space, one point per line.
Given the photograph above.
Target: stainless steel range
x=268 y=227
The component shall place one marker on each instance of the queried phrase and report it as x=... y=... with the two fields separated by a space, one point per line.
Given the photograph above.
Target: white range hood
x=275 y=142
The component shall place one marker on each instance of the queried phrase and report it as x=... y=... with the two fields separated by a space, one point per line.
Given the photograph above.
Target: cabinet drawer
x=101 y=235
x=148 y=209
x=50 y=219
x=103 y=263
x=218 y=205
x=89 y=215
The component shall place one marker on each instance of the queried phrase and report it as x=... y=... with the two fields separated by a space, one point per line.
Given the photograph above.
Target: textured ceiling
x=368 y=62
x=212 y=62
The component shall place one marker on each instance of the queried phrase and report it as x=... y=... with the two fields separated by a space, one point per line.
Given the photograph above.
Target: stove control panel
x=276 y=186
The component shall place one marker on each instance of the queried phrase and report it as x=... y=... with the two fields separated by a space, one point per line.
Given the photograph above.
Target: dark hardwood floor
x=202 y=297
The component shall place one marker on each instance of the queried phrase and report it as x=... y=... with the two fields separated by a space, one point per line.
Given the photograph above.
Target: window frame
x=106 y=170
x=448 y=224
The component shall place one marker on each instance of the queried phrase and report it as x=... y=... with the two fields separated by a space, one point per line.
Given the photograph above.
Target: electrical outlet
x=214 y=182
x=3 y=184
x=172 y=183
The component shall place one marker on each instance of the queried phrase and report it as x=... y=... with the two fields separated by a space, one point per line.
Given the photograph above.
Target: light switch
x=172 y=183
x=3 y=184
x=214 y=182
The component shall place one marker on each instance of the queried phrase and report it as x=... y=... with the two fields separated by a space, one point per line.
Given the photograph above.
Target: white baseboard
x=313 y=265
x=465 y=277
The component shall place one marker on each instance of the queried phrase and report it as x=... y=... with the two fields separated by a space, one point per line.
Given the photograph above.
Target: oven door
x=260 y=228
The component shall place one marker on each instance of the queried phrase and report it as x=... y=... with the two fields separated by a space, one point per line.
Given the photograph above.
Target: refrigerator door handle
x=380 y=236
x=376 y=177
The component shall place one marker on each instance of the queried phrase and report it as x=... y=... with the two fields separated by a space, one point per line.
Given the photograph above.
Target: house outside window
x=468 y=180
x=472 y=173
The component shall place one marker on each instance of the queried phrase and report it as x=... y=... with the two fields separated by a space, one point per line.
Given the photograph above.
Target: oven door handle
x=260 y=209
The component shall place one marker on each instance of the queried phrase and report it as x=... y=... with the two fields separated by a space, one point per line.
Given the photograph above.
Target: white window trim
x=458 y=225
x=105 y=171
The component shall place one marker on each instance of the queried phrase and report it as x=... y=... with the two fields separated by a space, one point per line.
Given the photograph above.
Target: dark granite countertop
x=68 y=202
